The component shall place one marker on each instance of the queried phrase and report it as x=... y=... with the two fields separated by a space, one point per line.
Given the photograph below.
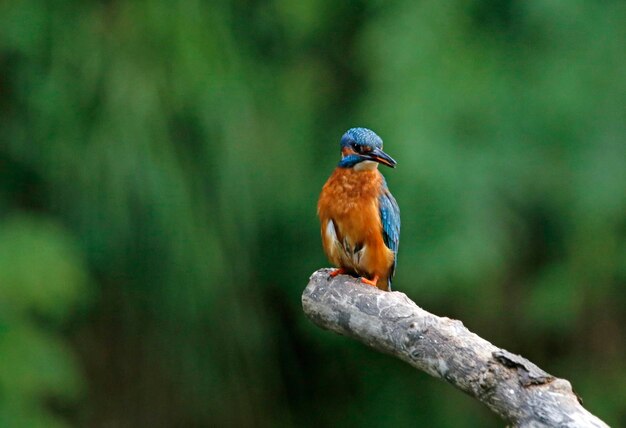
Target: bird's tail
x=384 y=284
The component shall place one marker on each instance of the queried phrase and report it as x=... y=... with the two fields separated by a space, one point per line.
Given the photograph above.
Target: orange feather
x=350 y=200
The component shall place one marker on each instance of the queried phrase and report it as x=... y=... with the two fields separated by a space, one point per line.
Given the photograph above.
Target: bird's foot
x=371 y=282
x=336 y=272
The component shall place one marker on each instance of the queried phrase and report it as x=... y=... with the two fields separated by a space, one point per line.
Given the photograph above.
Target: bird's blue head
x=362 y=149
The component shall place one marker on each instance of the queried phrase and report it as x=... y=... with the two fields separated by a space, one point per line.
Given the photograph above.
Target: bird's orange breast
x=350 y=200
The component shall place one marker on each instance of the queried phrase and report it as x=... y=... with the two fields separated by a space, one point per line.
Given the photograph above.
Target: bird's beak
x=379 y=156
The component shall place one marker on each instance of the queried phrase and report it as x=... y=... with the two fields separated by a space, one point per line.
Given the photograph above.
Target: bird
x=359 y=217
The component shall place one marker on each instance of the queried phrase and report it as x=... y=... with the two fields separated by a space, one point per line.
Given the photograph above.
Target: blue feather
x=349 y=161
x=390 y=219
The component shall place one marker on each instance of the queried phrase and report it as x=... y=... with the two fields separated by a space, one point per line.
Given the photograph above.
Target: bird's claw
x=371 y=282
x=334 y=273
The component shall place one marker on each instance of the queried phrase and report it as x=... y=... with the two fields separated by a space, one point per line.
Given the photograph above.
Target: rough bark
x=511 y=386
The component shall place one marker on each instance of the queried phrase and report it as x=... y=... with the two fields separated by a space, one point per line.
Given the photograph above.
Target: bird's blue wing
x=390 y=219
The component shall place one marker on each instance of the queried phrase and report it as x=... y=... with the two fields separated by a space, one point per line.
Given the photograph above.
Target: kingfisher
x=360 y=218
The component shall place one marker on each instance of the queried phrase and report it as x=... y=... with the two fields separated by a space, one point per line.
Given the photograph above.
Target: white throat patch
x=366 y=166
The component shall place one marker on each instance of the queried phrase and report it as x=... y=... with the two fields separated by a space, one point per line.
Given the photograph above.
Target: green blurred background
x=160 y=163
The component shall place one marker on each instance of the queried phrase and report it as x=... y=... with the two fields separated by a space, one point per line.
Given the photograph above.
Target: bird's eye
x=356 y=147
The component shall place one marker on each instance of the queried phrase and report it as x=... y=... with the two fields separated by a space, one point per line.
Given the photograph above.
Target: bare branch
x=511 y=386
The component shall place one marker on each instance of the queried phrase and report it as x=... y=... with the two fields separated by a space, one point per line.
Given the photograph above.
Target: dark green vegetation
x=159 y=169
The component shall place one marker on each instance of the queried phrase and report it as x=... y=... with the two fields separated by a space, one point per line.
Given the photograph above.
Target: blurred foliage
x=172 y=153
x=41 y=278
